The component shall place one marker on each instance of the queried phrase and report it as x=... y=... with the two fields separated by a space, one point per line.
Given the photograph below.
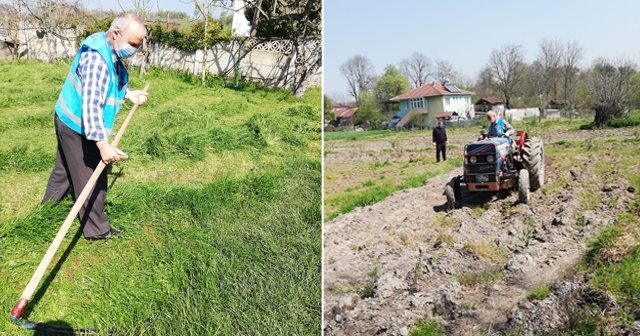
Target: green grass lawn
x=220 y=199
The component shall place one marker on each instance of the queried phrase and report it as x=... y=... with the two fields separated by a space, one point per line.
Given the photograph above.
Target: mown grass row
x=220 y=200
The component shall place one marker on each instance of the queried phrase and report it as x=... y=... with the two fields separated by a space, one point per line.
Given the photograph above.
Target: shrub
x=426 y=327
x=539 y=292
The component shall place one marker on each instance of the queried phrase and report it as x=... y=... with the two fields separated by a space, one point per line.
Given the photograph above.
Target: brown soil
x=468 y=268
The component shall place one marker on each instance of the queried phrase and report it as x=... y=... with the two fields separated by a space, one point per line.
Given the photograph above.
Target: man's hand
x=137 y=96
x=433 y=144
x=446 y=142
x=110 y=153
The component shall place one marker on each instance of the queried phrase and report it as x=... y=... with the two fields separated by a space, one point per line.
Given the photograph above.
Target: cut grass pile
x=220 y=200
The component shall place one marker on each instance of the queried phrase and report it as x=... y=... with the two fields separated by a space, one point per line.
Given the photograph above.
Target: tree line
x=608 y=87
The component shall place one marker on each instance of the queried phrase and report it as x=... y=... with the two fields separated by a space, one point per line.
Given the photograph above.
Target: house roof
x=338 y=106
x=445 y=115
x=345 y=113
x=558 y=101
x=490 y=100
x=429 y=90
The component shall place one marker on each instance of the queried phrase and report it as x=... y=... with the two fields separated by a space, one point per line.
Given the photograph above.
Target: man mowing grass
x=86 y=109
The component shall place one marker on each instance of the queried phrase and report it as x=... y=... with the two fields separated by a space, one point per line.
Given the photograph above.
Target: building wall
x=521 y=113
x=436 y=105
x=460 y=104
x=404 y=108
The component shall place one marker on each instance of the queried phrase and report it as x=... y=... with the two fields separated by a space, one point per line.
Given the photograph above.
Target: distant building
x=421 y=105
x=487 y=104
x=446 y=116
x=559 y=104
x=522 y=113
x=343 y=115
x=240 y=26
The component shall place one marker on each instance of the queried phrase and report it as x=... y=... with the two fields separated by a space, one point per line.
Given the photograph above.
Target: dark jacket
x=439 y=135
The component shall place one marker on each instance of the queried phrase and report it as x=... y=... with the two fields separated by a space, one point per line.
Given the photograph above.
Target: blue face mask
x=126 y=50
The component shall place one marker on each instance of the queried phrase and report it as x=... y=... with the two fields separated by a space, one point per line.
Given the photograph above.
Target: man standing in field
x=439 y=139
x=85 y=112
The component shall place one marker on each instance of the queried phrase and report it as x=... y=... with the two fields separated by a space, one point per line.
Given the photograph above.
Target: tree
x=506 y=66
x=326 y=108
x=11 y=17
x=550 y=58
x=359 y=73
x=445 y=71
x=418 y=68
x=389 y=85
x=569 y=70
x=295 y=20
x=367 y=112
x=205 y=8
x=56 y=17
x=143 y=8
x=484 y=86
x=613 y=84
x=172 y=15
x=535 y=78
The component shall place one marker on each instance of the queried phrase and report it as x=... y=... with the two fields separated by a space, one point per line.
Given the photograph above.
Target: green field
x=220 y=200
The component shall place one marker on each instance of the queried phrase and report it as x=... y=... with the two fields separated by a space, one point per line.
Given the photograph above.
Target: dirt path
x=468 y=268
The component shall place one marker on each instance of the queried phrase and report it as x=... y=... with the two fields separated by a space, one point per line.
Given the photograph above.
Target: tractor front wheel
x=523 y=186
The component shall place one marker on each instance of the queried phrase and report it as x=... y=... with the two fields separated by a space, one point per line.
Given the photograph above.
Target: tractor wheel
x=452 y=191
x=523 y=186
x=533 y=158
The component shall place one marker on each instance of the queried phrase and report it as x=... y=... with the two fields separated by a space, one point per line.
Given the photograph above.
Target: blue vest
x=497 y=129
x=69 y=105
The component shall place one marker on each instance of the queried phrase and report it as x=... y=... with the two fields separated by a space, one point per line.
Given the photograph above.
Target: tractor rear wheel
x=533 y=158
x=454 y=196
x=523 y=186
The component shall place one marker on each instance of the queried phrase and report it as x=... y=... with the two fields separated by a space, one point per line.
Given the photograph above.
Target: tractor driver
x=498 y=127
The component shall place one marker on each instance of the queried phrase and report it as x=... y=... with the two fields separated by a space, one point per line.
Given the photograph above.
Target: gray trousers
x=76 y=159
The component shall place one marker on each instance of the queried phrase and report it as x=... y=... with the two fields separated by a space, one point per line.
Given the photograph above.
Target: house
x=421 y=105
x=489 y=104
x=343 y=115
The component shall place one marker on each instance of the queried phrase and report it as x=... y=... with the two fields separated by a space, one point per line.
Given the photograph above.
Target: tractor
x=498 y=163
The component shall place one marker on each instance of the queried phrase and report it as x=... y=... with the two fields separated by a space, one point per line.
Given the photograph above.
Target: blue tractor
x=499 y=163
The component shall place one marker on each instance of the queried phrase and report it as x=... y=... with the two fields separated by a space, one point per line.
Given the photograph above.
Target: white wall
x=267 y=62
x=460 y=104
x=521 y=113
x=240 y=26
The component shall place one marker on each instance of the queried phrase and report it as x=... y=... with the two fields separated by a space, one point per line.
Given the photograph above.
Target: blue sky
x=464 y=32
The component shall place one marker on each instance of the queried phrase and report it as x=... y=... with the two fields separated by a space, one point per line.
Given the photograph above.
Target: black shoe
x=112 y=233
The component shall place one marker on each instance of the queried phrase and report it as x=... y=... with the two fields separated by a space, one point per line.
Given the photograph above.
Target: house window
x=416 y=103
x=447 y=100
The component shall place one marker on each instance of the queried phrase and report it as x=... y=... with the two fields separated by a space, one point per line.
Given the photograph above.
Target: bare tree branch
x=506 y=66
x=417 y=68
x=359 y=73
